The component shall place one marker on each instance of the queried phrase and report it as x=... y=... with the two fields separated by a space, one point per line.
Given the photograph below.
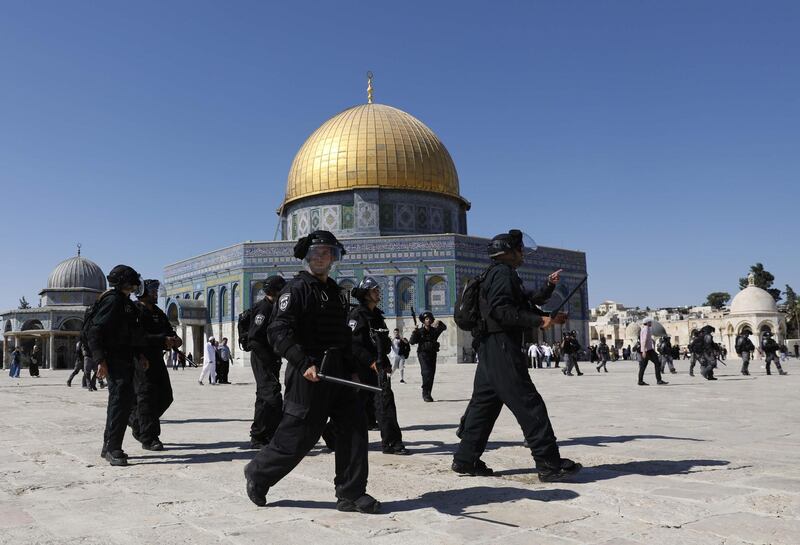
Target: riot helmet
x=366 y=284
x=426 y=314
x=123 y=275
x=319 y=251
x=767 y=334
x=507 y=242
x=150 y=285
x=274 y=284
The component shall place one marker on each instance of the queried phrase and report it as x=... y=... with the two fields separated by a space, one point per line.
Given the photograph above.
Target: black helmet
x=274 y=284
x=426 y=314
x=767 y=334
x=707 y=329
x=317 y=238
x=124 y=275
x=505 y=242
x=150 y=285
x=747 y=332
x=366 y=284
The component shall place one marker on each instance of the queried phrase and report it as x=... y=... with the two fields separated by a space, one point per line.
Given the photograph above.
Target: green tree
x=792 y=310
x=717 y=299
x=763 y=280
x=23 y=303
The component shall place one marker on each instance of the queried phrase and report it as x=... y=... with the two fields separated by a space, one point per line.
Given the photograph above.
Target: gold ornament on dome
x=372 y=146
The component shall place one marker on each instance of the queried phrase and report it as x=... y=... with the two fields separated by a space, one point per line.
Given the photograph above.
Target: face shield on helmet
x=138 y=289
x=321 y=258
x=529 y=245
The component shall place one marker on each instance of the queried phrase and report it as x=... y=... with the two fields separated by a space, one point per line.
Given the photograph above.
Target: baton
x=344 y=382
x=553 y=313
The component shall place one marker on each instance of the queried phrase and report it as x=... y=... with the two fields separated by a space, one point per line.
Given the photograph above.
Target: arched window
x=8 y=325
x=31 y=324
x=71 y=324
x=404 y=298
x=223 y=302
x=234 y=300
x=346 y=285
x=172 y=313
x=212 y=306
x=187 y=296
x=198 y=295
x=436 y=292
x=256 y=293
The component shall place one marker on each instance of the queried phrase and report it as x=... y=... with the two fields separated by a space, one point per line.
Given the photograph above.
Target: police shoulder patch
x=259 y=319
x=352 y=324
x=284 y=301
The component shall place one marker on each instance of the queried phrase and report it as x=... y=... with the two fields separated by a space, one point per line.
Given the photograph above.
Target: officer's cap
x=317 y=238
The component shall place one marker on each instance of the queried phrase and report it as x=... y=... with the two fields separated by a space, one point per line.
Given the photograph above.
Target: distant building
x=752 y=308
x=55 y=325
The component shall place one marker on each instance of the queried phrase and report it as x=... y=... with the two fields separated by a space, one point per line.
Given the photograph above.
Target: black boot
x=117 y=458
x=256 y=493
x=478 y=469
x=549 y=472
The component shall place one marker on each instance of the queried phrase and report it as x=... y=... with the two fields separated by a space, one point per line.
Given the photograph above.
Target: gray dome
x=77 y=272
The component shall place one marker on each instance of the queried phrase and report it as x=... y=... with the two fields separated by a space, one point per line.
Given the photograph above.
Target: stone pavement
x=692 y=463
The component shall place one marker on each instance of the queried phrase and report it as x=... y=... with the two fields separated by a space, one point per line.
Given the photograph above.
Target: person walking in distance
x=603 y=354
x=400 y=351
x=426 y=337
x=209 y=363
x=744 y=348
x=648 y=352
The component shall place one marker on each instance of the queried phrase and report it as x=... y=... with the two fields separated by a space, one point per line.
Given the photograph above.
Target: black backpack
x=405 y=349
x=739 y=343
x=243 y=328
x=467 y=314
x=88 y=316
x=698 y=344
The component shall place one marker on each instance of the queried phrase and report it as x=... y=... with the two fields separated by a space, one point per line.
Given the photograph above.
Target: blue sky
x=661 y=138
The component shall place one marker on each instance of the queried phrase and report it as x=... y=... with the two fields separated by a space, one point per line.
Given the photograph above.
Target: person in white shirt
x=648 y=351
x=398 y=360
x=209 y=363
x=548 y=353
x=534 y=355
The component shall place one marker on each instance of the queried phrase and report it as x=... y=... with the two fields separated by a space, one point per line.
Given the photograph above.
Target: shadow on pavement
x=457 y=503
x=242 y=445
x=652 y=468
x=428 y=427
x=603 y=440
x=205 y=420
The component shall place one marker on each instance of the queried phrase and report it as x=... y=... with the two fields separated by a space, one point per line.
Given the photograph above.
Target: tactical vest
x=324 y=320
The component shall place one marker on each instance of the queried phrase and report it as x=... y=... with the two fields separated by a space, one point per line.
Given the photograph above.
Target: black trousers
x=153 y=397
x=385 y=409
x=650 y=355
x=307 y=408
x=269 y=402
x=427 y=365
x=223 y=367
x=502 y=378
x=120 y=401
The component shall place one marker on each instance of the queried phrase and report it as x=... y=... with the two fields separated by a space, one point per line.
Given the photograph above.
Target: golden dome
x=372 y=146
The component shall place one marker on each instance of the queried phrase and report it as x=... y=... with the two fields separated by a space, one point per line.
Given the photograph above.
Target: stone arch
x=71 y=324
x=8 y=326
x=435 y=292
x=198 y=295
x=742 y=326
x=765 y=326
x=404 y=295
x=212 y=306
x=187 y=296
x=234 y=300
x=224 y=301
x=31 y=324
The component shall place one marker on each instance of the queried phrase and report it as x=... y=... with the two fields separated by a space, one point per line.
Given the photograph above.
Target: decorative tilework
x=366 y=214
x=422 y=218
x=314 y=219
x=436 y=219
x=302 y=223
x=293 y=232
x=387 y=216
x=448 y=221
x=348 y=216
x=405 y=217
x=330 y=218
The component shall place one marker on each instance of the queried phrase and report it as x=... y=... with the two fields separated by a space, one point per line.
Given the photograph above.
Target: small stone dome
x=753 y=300
x=632 y=331
x=77 y=272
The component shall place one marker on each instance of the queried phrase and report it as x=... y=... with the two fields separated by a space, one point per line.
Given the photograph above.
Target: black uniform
x=744 y=347
x=602 y=353
x=266 y=365
x=371 y=344
x=771 y=348
x=309 y=318
x=115 y=335
x=502 y=377
x=427 y=339
x=571 y=347
x=707 y=355
x=152 y=386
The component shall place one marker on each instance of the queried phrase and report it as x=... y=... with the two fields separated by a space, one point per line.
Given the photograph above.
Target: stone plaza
x=691 y=463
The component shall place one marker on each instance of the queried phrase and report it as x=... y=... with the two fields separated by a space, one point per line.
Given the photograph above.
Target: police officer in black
x=426 y=336
x=570 y=346
x=118 y=342
x=744 y=347
x=771 y=348
x=152 y=385
x=502 y=377
x=310 y=319
x=707 y=352
x=266 y=366
x=371 y=346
